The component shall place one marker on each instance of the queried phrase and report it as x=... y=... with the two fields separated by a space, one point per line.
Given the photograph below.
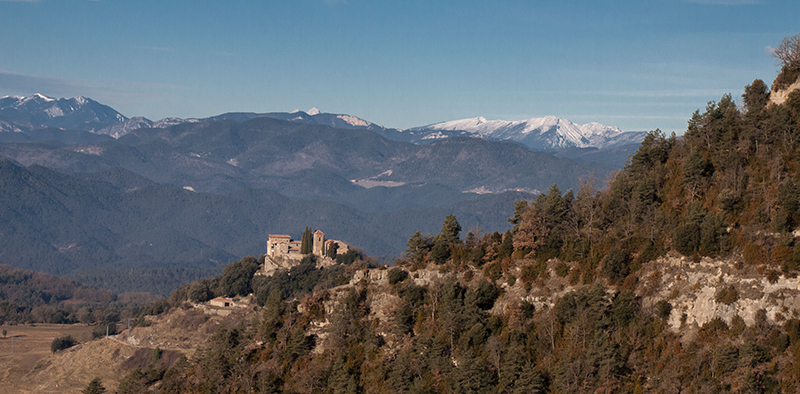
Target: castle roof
x=279 y=236
x=319 y=232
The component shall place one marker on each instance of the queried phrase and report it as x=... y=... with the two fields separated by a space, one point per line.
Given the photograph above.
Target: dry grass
x=31 y=346
x=33 y=368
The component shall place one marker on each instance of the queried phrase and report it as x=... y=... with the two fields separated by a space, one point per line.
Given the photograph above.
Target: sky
x=635 y=64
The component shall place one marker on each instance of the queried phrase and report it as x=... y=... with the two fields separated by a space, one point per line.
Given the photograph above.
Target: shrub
x=415 y=295
x=236 y=277
x=773 y=276
x=726 y=358
x=483 y=296
x=528 y=274
x=728 y=295
x=511 y=279
x=349 y=258
x=397 y=275
x=663 y=309
x=562 y=269
x=752 y=254
x=616 y=265
x=493 y=271
x=62 y=343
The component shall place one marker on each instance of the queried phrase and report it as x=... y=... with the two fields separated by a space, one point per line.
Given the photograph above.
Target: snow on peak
x=354 y=121
x=313 y=111
x=54 y=111
x=42 y=97
x=36 y=97
x=552 y=132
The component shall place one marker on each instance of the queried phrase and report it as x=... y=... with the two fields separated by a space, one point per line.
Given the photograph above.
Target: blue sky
x=638 y=65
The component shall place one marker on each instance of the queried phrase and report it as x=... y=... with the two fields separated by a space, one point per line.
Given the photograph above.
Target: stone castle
x=284 y=247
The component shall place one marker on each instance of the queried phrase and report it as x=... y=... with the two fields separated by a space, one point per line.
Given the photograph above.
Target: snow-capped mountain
x=20 y=114
x=40 y=111
x=543 y=133
x=339 y=121
x=117 y=130
x=312 y=116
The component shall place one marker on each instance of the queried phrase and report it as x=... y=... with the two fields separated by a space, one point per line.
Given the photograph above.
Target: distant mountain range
x=305 y=161
x=86 y=190
x=545 y=133
x=18 y=113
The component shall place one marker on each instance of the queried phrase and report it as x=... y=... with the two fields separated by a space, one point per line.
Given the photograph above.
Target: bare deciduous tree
x=788 y=51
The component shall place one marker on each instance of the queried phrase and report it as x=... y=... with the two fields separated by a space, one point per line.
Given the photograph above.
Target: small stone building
x=281 y=246
x=222 y=302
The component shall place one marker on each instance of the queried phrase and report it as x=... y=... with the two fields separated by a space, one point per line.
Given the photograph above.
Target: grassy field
x=31 y=345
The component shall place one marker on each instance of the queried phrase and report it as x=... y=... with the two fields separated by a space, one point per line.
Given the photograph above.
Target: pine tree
x=450 y=230
x=94 y=387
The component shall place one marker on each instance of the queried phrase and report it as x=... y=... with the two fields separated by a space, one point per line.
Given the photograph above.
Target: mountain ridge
x=41 y=111
x=19 y=113
x=542 y=133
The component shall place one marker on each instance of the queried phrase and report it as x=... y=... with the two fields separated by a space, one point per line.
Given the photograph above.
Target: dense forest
x=728 y=187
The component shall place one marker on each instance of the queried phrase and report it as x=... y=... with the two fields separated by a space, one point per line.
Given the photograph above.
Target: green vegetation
x=94 y=387
x=306 y=241
x=727 y=187
x=62 y=343
x=447 y=320
x=28 y=297
x=443 y=338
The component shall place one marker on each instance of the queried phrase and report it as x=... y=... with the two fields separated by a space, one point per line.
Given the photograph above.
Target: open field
x=33 y=368
x=31 y=345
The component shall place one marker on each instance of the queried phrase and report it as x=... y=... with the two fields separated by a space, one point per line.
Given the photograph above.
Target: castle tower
x=278 y=245
x=318 y=247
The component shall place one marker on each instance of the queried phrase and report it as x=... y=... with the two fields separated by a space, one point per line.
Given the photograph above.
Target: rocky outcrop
x=693 y=289
x=780 y=96
x=272 y=264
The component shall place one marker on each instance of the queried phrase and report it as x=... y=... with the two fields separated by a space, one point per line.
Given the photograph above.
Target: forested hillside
x=119 y=231
x=558 y=303
x=29 y=297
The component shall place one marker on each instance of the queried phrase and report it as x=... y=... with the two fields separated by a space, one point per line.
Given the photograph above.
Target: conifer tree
x=306 y=241
x=450 y=230
x=94 y=387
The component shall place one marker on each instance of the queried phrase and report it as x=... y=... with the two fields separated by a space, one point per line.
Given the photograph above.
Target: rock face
x=780 y=96
x=693 y=289
x=272 y=264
